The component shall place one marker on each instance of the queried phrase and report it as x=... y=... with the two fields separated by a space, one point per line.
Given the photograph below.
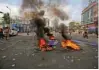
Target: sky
x=14 y=5
x=74 y=8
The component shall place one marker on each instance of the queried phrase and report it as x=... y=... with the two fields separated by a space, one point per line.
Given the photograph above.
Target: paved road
x=92 y=38
x=20 y=53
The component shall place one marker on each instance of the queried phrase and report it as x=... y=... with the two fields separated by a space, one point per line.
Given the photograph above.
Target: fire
x=43 y=46
x=71 y=44
x=42 y=43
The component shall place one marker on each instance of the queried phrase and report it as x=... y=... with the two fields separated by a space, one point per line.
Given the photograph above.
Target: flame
x=71 y=44
x=42 y=43
x=43 y=46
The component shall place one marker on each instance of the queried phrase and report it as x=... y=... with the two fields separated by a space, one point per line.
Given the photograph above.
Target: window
x=96 y=0
x=91 y=1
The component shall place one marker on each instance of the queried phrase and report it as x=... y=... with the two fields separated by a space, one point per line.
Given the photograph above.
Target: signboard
x=91 y=25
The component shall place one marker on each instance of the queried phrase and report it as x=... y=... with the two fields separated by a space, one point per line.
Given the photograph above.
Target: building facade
x=89 y=17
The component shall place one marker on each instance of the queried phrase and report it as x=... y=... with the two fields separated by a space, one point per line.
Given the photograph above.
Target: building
x=89 y=17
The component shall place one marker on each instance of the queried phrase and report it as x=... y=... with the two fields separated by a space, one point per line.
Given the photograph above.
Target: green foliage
x=6 y=18
x=74 y=26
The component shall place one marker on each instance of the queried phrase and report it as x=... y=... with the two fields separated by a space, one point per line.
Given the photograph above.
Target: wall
x=90 y=13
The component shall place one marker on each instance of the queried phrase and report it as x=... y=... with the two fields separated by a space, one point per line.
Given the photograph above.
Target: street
x=20 y=52
x=67 y=23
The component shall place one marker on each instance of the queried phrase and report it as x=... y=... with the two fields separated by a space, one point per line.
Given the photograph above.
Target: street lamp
x=10 y=15
x=9 y=9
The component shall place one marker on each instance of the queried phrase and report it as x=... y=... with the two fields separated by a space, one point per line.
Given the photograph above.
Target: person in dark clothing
x=85 y=34
x=1 y=33
x=97 y=31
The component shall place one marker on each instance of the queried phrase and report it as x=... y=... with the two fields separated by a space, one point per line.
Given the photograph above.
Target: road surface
x=20 y=52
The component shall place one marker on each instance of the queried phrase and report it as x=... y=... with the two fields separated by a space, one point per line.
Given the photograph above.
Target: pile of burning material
x=48 y=46
x=43 y=45
x=69 y=44
x=52 y=42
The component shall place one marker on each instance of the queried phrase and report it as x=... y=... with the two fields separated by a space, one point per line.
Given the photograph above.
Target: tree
x=6 y=18
x=74 y=26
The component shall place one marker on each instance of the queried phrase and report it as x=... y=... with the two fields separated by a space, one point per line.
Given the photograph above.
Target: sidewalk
x=25 y=34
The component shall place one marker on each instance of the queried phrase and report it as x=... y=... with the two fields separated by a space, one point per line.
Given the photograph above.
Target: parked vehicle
x=13 y=32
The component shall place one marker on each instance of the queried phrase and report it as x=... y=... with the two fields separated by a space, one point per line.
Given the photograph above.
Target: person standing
x=85 y=34
x=6 y=33
x=97 y=31
x=1 y=33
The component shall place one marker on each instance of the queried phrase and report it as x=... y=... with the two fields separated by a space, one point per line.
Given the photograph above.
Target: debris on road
x=33 y=54
x=13 y=65
x=64 y=57
x=40 y=65
x=13 y=59
x=4 y=57
x=16 y=54
x=53 y=61
x=78 y=59
x=20 y=53
x=72 y=60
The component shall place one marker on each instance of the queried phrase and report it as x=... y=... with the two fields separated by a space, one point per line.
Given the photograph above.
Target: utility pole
x=10 y=15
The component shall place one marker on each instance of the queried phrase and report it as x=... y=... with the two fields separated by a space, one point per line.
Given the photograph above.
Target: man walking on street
x=85 y=34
